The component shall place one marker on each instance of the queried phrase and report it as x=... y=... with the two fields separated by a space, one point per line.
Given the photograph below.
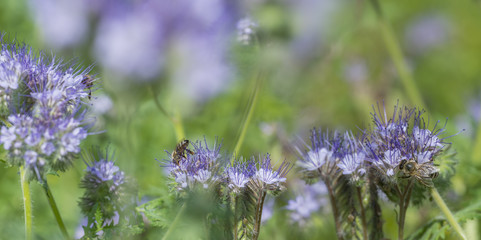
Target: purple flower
x=246 y=30
x=202 y=167
x=321 y=156
x=310 y=199
x=43 y=104
x=104 y=186
x=402 y=137
x=239 y=174
x=267 y=175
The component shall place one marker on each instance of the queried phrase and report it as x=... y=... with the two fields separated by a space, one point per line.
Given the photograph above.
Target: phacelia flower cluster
x=391 y=143
x=207 y=167
x=41 y=103
x=104 y=185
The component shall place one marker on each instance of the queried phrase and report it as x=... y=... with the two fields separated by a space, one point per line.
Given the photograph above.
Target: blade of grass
x=247 y=119
x=397 y=57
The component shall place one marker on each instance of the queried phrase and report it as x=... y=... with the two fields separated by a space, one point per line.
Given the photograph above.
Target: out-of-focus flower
x=246 y=30
x=427 y=32
x=130 y=41
x=61 y=23
x=356 y=71
x=310 y=199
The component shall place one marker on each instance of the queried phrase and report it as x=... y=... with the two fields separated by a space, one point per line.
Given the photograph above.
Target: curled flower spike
x=104 y=186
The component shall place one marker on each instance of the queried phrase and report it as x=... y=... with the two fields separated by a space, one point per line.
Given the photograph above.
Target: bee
x=180 y=150
x=88 y=81
x=423 y=172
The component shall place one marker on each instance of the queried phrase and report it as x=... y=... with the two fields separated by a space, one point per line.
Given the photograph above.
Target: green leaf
x=439 y=228
x=156 y=211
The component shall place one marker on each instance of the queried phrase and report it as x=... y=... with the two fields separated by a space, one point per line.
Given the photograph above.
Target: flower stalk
x=449 y=216
x=27 y=203
x=55 y=211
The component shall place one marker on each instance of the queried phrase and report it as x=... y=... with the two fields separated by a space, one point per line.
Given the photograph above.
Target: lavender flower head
x=403 y=137
x=239 y=174
x=104 y=186
x=44 y=122
x=320 y=158
x=200 y=168
x=352 y=161
x=267 y=178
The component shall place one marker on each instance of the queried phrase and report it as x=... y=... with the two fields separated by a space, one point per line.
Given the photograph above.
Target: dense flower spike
x=41 y=105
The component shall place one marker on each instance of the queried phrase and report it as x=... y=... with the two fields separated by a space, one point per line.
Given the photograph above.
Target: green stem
x=236 y=199
x=54 y=208
x=176 y=220
x=397 y=57
x=449 y=216
x=248 y=117
x=27 y=203
x=335 y=210
x=403 y=207
x=260 y=206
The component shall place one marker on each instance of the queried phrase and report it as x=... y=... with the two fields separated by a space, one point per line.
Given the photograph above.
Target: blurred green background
x=321 y=63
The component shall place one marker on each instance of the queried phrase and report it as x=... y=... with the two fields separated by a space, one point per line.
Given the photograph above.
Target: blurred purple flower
x=427 y=32
x=61 y=23
x=310 y=199
x=356 y=71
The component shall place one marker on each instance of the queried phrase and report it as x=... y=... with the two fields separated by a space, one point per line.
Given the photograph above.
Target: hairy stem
x=335 y=210
x=176 y=220
x=397 y=57
x=449 y=216
x=363 y=213
x=260 y=204
x=236 y=199
x=54 y=208
x=376 y=219
x=27 y=203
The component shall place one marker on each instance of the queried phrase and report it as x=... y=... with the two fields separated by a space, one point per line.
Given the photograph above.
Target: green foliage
x=439 y=228
x=157 y=211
